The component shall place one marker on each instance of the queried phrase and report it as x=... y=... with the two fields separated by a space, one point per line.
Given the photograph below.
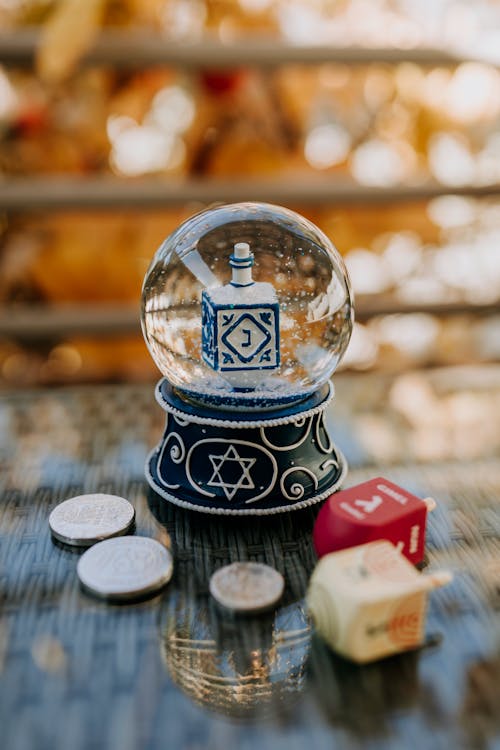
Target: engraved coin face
x=87 y=519
x=247 y=587
x=125 y=568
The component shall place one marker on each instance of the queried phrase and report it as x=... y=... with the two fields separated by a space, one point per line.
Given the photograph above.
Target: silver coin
x=125 y=568
x=247 y=586
x=87 y=519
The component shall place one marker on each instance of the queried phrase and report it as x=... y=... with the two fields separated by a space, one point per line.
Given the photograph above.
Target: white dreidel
x=369 y=601
x=240 y=324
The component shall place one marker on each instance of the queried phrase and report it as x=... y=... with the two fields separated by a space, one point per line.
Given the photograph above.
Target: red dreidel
x=374 y=510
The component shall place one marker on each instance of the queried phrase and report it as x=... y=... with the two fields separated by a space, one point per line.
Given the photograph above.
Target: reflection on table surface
x=242 y=666
x=177 y=671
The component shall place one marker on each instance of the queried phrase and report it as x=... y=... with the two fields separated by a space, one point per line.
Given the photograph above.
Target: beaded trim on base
x=247 y=511
x=269 y=422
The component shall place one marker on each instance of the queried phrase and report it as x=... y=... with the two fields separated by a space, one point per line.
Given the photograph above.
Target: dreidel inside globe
x=247 y=311
x=378 y=509
x=240 y=325
x=369 y=602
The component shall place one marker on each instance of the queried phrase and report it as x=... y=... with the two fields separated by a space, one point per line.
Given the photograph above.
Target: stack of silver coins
x=117 y=566
x=121 y=567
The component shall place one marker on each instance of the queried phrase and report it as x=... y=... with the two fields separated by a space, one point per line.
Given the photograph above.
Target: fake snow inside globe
x=247 y=305
x=247 y=311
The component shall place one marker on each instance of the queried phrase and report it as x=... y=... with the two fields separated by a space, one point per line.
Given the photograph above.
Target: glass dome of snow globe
x=247 y=306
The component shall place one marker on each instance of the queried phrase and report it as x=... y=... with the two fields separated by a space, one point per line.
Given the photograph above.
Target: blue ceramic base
x=255 y=464
x=246 y=464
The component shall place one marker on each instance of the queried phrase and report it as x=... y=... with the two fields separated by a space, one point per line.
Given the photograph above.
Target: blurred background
x=376 y=119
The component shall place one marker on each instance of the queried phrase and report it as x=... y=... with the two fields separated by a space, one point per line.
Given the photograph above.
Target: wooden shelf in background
x=133 y=49
x=105 y=192
x=44 y=323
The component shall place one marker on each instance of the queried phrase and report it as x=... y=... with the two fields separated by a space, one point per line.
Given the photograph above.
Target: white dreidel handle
x=430 y=503
x=437 y=579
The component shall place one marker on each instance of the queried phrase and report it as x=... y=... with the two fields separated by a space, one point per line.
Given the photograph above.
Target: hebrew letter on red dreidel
x=378 y=509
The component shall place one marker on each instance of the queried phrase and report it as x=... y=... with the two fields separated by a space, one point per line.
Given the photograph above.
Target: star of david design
x=227 y=477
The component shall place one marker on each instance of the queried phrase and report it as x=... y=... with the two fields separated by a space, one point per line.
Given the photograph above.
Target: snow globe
x=246 y=311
